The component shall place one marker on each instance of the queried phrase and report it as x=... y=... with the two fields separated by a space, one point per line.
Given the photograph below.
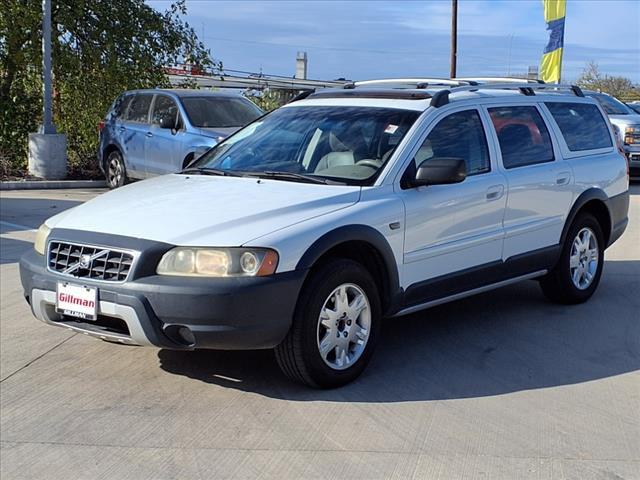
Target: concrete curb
x=51 y=184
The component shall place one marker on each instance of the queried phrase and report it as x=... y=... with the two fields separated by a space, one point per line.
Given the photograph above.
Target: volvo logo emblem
x=85 y=260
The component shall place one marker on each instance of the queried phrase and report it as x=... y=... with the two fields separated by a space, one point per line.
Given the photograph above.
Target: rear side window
x=523 y=136
x=459 y=135
x=120 y=105
x=139 y=109
x=581 y=124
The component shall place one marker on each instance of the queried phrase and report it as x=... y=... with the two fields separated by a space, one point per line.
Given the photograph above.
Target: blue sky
x=393 y=38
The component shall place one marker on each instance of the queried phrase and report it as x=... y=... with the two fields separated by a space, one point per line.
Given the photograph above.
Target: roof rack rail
x=418 y=83
x=442 y=97
x=483 y=80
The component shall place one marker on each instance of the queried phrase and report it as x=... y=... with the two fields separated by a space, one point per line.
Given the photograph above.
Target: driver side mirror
x=440 y=171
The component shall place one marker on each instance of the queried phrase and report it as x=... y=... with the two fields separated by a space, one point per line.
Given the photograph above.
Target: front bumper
x=221 y=313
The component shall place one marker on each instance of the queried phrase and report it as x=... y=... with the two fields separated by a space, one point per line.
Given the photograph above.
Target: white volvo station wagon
x=306 y=228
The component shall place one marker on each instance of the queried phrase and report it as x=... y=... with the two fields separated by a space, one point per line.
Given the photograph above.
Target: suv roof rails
x=400 y=94
x=418 y=83
x=484 y=80
x=440 y=98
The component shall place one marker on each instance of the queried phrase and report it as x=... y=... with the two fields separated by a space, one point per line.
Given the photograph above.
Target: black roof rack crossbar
x=302 y=95
x=440 y=98
x=577 y=91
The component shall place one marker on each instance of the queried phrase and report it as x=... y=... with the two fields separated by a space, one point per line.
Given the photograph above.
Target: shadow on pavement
x=11 y=249
x=503 y=341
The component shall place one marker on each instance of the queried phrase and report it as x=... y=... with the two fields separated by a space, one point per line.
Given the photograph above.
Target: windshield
x=220 y=112
x=611 y=105
x=634 y=106
x=348 y=144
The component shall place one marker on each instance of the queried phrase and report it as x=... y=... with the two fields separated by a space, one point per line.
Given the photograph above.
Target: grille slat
x=109 y=265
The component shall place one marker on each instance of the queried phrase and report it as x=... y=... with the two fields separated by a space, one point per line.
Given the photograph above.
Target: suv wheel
x=335 y=326
x=115 y=172
x=576 y=276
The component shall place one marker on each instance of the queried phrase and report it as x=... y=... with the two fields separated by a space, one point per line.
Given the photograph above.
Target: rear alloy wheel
x=577 y=275
x=116 y=174
x=335 y=326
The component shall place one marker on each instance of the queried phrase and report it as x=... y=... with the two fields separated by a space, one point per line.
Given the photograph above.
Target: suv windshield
x=348 y=144
x=220 y=112
x=611 y=105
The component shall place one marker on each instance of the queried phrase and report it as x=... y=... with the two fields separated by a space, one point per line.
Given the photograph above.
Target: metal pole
x=454 y=37
x=509 y=57
x=47 y=114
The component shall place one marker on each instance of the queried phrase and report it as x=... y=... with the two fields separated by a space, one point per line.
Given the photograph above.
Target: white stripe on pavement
x=16 y=226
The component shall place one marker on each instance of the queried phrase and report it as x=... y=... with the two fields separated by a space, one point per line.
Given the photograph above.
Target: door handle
x=495 y=192
x=563 y=178
x=149 y=134
x=122 y=129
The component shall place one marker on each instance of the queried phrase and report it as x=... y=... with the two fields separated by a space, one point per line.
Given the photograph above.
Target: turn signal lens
x=41 y=239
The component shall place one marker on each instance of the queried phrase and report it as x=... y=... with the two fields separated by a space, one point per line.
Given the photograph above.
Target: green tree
x=268 y=99
x=592 y=79
x=100 y=48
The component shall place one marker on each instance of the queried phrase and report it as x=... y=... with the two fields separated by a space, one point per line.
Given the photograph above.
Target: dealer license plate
x=77 y=301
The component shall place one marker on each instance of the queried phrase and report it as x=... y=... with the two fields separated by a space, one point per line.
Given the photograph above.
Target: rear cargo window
x=581 y=124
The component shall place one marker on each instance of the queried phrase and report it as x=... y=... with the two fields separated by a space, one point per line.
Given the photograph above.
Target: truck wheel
x=116 y=173
x=577 y=274
x=335 y=326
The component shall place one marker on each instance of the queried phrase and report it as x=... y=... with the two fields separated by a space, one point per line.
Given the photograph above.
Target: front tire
x=577 y=274
x=115 y=172
x=335 y=326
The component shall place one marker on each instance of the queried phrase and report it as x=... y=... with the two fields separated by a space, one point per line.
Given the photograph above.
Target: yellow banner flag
x=551 y=63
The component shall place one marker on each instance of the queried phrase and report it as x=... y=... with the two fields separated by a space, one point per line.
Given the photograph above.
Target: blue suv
x=153 y=132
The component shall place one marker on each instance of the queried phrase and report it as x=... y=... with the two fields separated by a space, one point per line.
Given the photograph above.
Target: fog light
x=187 y=336
x=180 y=334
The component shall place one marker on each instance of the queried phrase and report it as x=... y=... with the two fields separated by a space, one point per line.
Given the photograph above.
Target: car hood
x=624 y=120
x=216 y=133
x=198 y=210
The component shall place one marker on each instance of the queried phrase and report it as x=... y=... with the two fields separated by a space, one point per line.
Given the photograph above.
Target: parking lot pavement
x=502 y=385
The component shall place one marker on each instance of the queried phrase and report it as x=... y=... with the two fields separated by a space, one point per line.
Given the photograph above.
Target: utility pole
x=47 y=149
x=47 y=113
x=454 y=37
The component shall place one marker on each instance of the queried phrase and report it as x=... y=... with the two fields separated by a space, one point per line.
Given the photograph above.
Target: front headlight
x=218 y=262
x=41 y=239
x=632 y=134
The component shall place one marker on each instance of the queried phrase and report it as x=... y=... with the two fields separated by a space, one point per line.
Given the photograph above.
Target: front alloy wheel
x=343 y=326
x=335 y=326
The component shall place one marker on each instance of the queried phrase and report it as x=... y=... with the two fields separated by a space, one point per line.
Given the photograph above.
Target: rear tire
x=577 y=274
x=335 y=326
x=115 y=171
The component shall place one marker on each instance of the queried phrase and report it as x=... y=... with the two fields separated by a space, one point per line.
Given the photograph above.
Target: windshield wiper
x=294 y=177
x=211 y=171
